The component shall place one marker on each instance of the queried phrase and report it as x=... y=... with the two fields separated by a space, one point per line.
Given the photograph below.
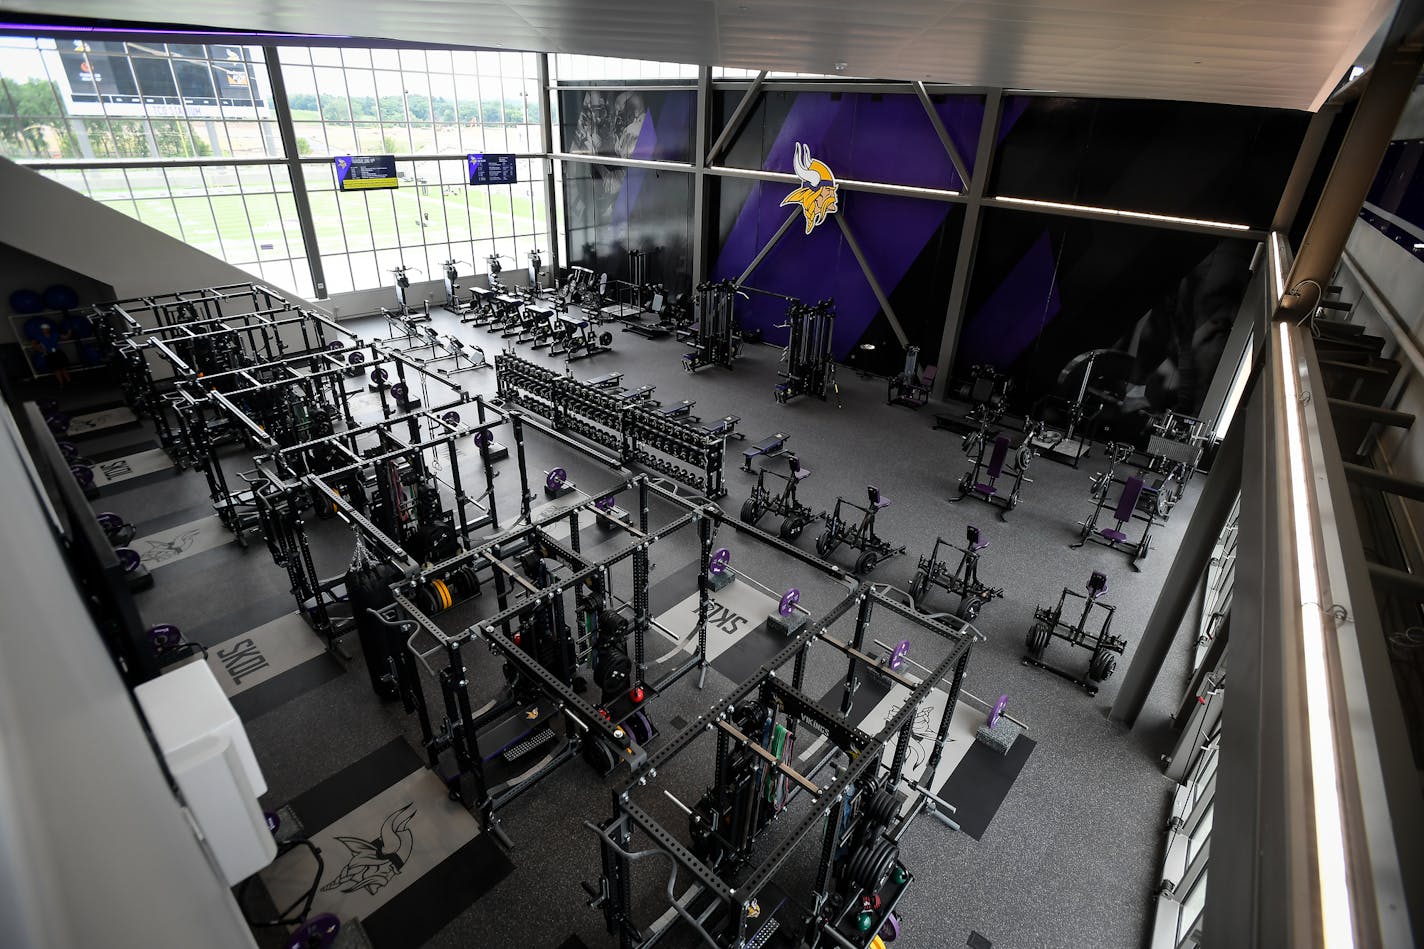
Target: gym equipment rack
x=633 y=431
x=810 y=370
x=860 y=812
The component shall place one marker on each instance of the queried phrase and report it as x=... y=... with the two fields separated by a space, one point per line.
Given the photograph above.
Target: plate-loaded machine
x=721 y=873
x=1049 y=624
x=964 y=582
x=794 y=515
x=1129 y=507
x=858 y=536
x=716 y=337
x=976 y=444
x=631 y=428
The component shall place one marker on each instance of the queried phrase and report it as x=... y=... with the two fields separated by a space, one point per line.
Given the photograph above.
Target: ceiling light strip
x=1332 y=875
x=1119 y=212
x=1277 y=270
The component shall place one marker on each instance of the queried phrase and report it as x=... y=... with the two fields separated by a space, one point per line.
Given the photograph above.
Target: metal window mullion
x=287 y=133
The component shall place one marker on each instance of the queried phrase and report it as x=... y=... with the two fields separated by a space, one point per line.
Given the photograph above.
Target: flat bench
x=678 y=409
x=767 y=446
x=606 y=381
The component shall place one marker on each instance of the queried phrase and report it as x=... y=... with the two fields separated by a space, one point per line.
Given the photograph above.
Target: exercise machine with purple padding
x=963 y=582
x=999 y=478
x=1049 y=624
x=858 y=536
x=794 y=515
x=1124 y=513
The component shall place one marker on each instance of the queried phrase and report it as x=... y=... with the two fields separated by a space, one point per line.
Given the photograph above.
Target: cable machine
x=716 y=336
x=809 y=367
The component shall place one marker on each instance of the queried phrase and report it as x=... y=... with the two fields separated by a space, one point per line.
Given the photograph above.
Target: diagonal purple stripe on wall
x=1016 y=313
x=875 y=139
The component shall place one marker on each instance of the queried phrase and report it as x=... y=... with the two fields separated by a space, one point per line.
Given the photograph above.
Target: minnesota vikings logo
x=374 y=863
x=817 y=194
x=161 y=551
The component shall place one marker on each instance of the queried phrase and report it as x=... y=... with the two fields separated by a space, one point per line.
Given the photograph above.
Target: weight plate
x=109 y=521
x=556 y=479
x=720 y=559
x=356 y=358
x=897 y=656
x=789 y=599
x=164 y=636
x=379 y=375
x=335 y=345
x=604 y=504
x=451 y=418
x=83 y=474
x=641 y=727
x=483 y=437
x=319 y=932
x=999 y=707
x=400 y=391
x=605 y=339
x=129 y=558
x=69 y=450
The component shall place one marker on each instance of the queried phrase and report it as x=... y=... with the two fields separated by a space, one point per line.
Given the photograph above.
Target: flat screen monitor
x=364 y=172
x=492 y=169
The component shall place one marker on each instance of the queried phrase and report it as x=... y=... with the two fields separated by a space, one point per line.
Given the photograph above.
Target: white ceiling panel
x=1280 y=53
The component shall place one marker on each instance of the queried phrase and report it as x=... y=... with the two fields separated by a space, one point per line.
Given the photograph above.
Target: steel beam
x=792 y=218
x=942 y=132
x=700 y=232
x=968 y=242
x=1306 y=160
x=546 y=165
x=737 y=118
x=305 y=220
x=1193 y=555
x=1381 y=103
x=870 y=279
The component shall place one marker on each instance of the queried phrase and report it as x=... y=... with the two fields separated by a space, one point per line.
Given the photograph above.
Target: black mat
x=977 y=787
x=130 y=448
x=351 y=787
x=411 y=917
x=263 y=698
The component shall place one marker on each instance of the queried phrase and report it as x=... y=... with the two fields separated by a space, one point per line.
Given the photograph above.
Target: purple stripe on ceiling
x=1016 y=313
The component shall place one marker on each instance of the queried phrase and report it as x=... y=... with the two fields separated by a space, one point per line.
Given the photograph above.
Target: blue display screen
x=492 y=169
x=363 y=172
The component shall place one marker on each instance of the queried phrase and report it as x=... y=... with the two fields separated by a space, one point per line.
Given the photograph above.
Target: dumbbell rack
x=637 y=432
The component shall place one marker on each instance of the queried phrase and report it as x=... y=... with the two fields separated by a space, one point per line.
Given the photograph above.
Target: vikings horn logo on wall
x=817 y=194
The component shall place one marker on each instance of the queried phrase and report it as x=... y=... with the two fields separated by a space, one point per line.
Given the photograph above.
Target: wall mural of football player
x=607 y=123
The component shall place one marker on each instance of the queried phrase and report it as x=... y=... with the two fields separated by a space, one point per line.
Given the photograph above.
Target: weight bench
x=606 y=381
x=995 y=470
x=681 y=409
x=633 y=395
x=725 y=426
x=1125 y=510
x=771 y=445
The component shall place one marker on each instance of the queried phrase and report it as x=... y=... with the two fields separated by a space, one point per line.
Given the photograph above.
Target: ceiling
x=1281 y=53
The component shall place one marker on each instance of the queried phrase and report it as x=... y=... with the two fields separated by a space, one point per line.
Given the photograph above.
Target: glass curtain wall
x=143 y=127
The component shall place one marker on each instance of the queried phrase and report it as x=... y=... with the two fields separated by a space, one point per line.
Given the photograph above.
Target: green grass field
x=409 y=217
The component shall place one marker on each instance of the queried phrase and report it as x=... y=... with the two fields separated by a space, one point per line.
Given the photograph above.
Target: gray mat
x=177 y=543
x=264 y=653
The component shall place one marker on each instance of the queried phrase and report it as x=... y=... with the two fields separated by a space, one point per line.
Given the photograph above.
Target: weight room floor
x=1069 y=859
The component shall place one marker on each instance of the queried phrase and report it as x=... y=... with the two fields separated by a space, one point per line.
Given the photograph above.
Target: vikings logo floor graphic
x=374 y=863
x=817 y=194
x=161 y=551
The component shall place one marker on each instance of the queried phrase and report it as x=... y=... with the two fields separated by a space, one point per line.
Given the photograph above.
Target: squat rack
x=831 y=802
